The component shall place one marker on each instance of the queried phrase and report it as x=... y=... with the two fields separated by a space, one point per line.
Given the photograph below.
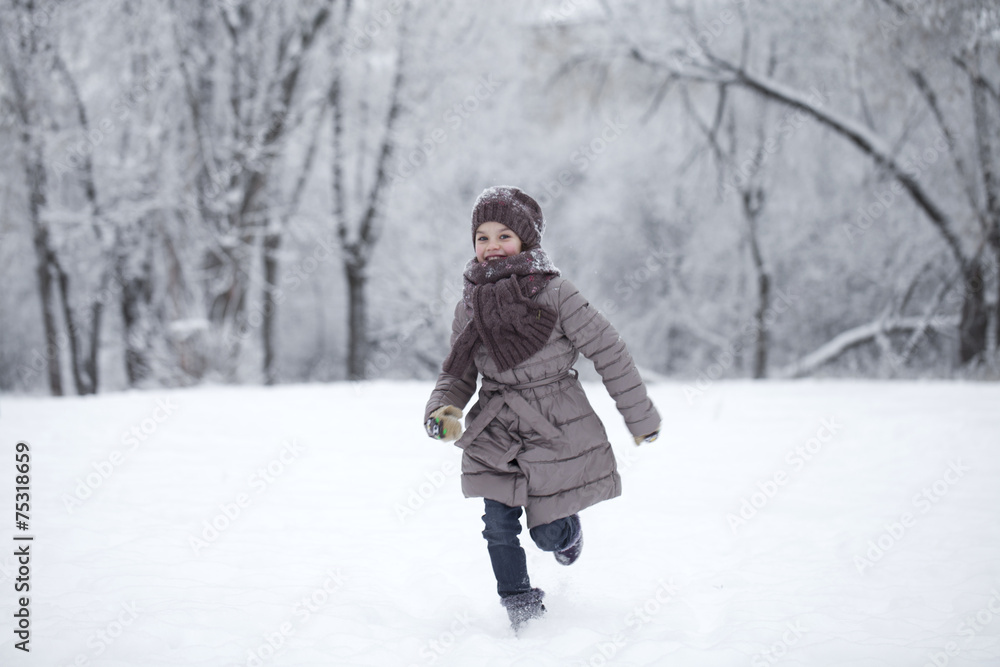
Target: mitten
x=640 y=439
x=444 y=424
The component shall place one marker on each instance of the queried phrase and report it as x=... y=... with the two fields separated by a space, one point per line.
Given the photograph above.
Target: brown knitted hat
x=512 y=208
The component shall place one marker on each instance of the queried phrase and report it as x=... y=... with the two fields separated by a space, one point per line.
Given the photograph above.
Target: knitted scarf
x=499 y=295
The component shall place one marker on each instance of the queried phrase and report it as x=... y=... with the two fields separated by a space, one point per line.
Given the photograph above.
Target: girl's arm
x=592 y=334
x=451 y=390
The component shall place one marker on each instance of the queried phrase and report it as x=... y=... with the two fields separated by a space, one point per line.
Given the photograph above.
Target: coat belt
x=507 y=394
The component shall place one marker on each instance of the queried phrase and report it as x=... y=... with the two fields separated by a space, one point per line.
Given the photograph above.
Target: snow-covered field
x=810 y=523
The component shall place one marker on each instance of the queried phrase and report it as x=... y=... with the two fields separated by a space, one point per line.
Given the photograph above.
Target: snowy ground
x=778 y=523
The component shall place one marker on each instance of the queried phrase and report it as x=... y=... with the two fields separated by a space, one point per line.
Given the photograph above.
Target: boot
x=522 y=607
x=569 y=555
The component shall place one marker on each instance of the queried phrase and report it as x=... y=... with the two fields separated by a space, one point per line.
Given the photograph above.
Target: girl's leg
x=509 y=565
x=558 y=535
x=522 y=602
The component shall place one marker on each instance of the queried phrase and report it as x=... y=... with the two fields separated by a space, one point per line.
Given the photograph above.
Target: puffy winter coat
x=532 y=439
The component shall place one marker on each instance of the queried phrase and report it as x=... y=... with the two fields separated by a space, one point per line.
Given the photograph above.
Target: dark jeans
x=503 y=525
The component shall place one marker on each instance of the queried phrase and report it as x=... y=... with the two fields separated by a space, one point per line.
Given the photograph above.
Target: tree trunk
x=763 y=335
x=83 y=342
x=227 y=288
x=974 y=324
x=993 y=333
x=43 y=253
x=136 y=339
x=136 y=300
x=71 y=331
x=752 y=205
x=94 y=344
x=989 y=162
x=272 y=243
x=357 y=324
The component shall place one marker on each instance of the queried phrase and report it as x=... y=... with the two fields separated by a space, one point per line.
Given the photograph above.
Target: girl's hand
x=444 y=423
x=640 y=439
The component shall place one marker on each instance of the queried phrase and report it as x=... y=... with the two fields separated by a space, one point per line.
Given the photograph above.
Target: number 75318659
x=22 y=497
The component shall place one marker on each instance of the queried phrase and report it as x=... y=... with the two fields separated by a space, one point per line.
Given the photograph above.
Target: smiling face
x=494 y=240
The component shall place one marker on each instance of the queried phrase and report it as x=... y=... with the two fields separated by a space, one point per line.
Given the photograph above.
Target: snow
x=341 y=537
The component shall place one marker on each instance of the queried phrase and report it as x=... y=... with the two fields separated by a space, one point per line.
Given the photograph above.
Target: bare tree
x=85 y=340
x=35 y=57
x=142 y=218
x=705 y=65
x=21 y=63
x=358 y=226
x=240 y=131
x=276 y=230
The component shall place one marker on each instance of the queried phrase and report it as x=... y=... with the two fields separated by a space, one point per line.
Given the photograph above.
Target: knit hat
x=513 y=209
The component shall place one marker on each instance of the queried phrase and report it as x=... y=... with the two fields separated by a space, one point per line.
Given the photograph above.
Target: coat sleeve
x=594 y=336
x=451 y=390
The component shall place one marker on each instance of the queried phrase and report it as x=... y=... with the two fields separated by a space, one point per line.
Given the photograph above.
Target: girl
x=531 y=440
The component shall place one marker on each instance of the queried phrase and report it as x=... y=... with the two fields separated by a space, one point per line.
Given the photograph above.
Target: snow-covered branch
x=861 y=335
